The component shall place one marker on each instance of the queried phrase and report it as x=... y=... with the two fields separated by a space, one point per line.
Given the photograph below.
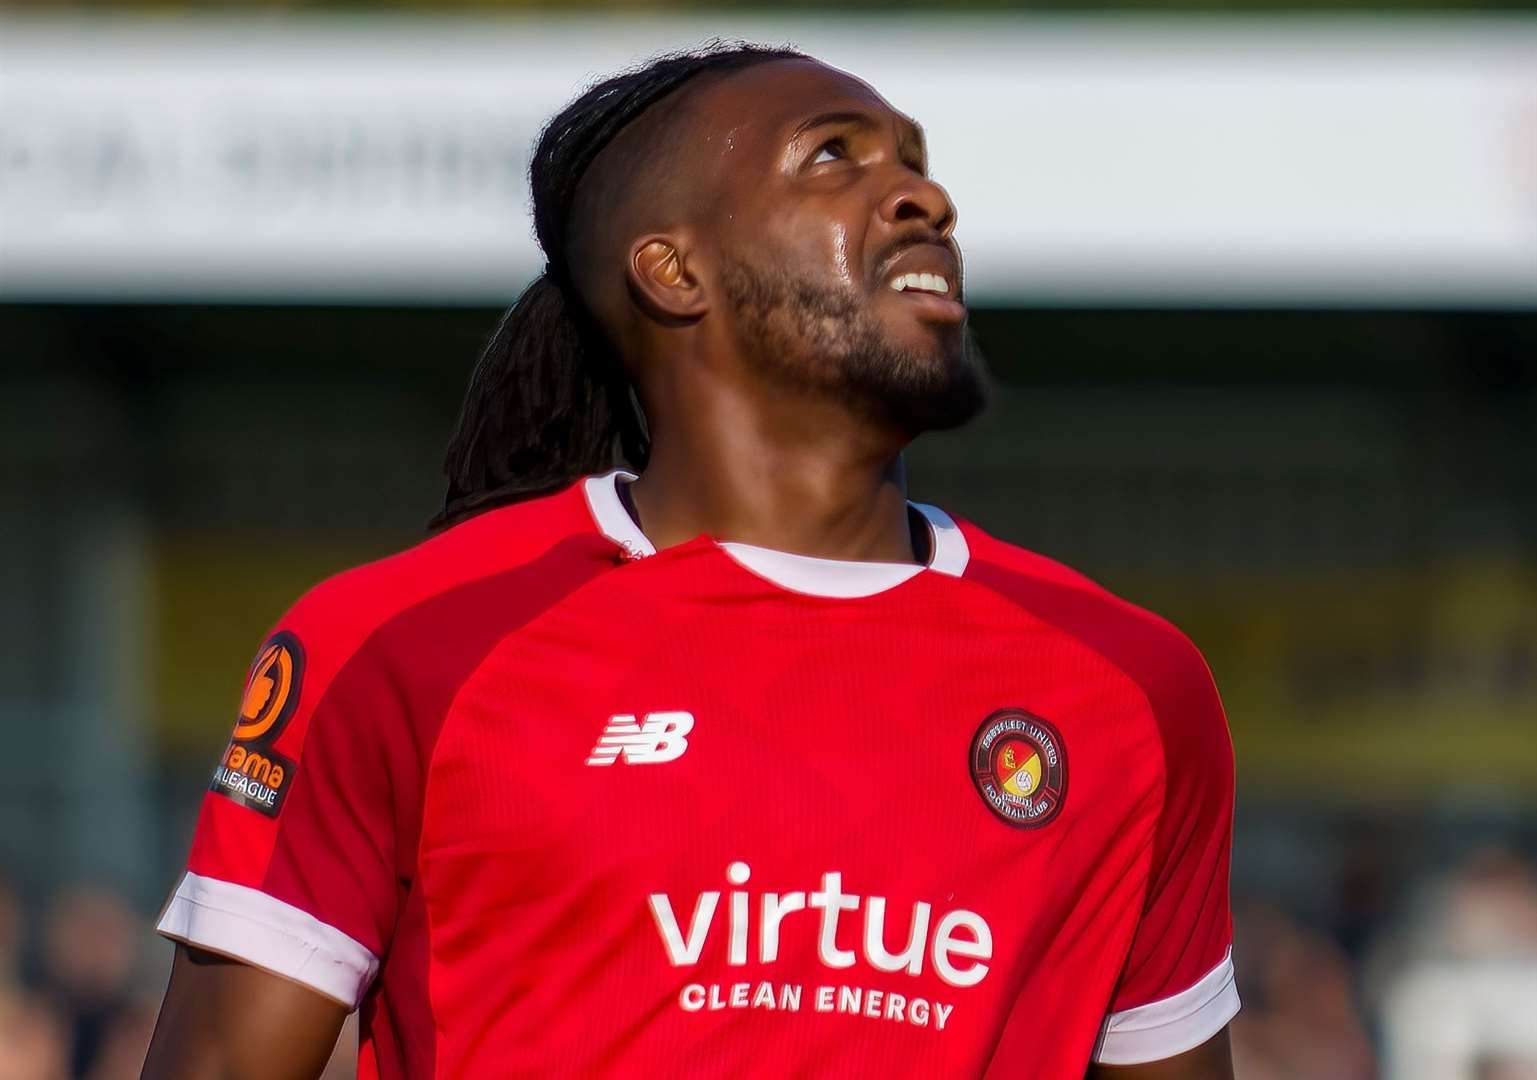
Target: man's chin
x=918 y=393
x=877 y=357
x=918 y=322
x=951 y=407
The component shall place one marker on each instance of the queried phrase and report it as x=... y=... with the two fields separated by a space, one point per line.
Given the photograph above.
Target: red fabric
x=386 y=647
x=1186 y=924
x=444 y=812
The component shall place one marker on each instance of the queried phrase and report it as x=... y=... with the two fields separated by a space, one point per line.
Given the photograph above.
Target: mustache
x=900 y=246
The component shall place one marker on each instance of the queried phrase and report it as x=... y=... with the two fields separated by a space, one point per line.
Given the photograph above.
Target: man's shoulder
x=542 y=542
x=1149 y=648
x=1028 y=577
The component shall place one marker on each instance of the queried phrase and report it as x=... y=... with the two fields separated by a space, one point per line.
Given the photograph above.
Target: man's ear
x=661 y=279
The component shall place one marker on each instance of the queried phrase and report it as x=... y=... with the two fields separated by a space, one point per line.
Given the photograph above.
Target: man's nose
x=917 y=197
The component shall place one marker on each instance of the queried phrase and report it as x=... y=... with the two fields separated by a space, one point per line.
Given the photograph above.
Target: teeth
x=931 y=283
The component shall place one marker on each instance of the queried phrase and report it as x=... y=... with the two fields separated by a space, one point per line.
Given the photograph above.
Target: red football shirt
x=541 y=799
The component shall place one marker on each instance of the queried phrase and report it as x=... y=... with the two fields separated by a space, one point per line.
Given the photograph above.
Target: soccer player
x=744 y=765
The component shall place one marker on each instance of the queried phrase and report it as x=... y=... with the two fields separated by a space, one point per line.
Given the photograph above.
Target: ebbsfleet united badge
x=1019 y=767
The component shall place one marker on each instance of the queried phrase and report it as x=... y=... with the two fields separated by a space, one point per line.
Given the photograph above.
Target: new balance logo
x=660 y=737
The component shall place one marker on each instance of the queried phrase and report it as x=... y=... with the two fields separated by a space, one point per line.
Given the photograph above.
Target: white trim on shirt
x=610 y=515
x=836 y=578
x=951 y=552
x=1170 y=1026
x=248 y=925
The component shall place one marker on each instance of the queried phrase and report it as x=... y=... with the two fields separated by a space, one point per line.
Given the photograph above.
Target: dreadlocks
x=548 y=400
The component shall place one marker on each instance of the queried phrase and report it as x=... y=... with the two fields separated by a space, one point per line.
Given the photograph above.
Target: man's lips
x=932 y=307
x=931 y=268
x=927 y=276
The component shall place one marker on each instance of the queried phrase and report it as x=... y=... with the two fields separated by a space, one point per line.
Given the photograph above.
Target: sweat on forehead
x=666 y=167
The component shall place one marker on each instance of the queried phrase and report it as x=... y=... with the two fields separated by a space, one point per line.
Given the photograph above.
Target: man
x=745 y=766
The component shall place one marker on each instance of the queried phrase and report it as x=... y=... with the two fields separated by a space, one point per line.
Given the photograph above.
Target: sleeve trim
x=1171 y=1025
x=248 y=925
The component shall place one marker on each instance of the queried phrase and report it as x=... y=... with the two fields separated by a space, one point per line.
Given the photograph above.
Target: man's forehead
x=773 y=99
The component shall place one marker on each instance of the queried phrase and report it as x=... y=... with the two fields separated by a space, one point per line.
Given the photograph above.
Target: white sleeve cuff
x=1172 y=1025
x=248 y=925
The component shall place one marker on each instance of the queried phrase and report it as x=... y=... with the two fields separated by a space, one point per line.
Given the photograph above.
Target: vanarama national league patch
x=251 y=772
x=1020 y=768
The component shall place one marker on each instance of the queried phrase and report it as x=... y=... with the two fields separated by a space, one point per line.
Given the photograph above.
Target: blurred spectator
x=34 y=1044
x=1487 y=910
x=90 y=1014
x=1456 y=984
x=90 y=951
x=125 y=1041
x=1299 y=1019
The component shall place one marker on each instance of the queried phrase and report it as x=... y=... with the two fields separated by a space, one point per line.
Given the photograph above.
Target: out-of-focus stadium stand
x=1260 y=296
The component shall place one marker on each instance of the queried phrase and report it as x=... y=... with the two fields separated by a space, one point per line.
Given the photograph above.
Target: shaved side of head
x=549 y=400
x=638 y=184
x=657 y=175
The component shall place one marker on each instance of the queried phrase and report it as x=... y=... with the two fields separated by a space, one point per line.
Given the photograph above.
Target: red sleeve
x=293 y=863
x=305 y=847
x=1176 y=988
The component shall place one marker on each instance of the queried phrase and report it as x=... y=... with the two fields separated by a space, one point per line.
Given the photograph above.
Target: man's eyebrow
x=919 y=138
x=912 y=135
x=845 y=116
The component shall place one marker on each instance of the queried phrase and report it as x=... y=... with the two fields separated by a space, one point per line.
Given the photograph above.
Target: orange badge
x=272 y=689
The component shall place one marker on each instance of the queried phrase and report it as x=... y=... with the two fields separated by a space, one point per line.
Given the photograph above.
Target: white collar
x=838 y=578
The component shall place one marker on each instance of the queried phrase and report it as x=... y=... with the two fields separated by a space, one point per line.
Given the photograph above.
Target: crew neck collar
x=834 y=578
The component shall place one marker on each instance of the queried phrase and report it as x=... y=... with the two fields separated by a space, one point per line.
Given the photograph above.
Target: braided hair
x=548 y=400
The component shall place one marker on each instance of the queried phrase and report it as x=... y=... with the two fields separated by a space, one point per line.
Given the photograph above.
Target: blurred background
x=1258 y=288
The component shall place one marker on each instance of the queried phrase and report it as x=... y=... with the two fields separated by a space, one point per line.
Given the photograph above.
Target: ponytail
x=547 y=403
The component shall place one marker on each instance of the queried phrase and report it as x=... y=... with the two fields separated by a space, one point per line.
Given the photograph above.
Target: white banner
x=1107 y=160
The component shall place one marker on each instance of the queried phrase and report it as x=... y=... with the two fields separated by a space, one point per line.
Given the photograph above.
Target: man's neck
x=819 y=496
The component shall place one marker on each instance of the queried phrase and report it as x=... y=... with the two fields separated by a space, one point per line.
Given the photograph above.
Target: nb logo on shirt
x=660 y=737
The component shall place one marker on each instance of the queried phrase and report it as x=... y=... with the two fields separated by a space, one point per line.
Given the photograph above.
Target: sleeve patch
x=250 y=772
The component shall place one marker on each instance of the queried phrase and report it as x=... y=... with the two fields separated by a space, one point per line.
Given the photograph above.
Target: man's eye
x=829 y=151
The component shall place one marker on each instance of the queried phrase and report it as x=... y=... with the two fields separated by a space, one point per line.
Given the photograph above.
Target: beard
x=825 y=341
